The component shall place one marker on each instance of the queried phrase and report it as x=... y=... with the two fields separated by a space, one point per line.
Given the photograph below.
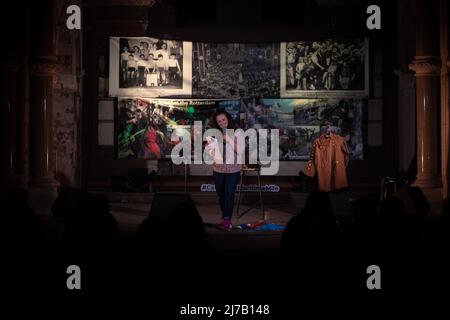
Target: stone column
x=43 y=67
x=13 y=101
x=23 y=116
x=41 y=125
x=426 y=66
x=445 y=102
x=13 y=126
x=9 y=120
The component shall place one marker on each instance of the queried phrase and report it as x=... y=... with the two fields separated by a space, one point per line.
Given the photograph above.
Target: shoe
x=226 y=225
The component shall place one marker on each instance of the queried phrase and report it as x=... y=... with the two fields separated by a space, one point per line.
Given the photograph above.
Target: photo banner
x=300 y=121
x=235 y=70
x=325 y=69
x=145 y=126
x=149 y=67
x=164 y=85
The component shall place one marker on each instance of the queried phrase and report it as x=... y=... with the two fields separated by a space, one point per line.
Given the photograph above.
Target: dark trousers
x=226 y=184
x=141 y=77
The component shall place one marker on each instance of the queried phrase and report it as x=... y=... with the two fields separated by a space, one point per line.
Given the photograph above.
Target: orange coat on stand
x=328 y=160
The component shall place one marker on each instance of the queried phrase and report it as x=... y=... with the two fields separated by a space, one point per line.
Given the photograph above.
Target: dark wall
x=261 y=20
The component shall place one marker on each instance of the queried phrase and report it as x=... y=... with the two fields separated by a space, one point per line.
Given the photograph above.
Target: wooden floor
x=130 y=209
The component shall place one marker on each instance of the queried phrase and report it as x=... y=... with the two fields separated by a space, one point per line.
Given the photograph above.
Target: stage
x=252 y=260
x=130 y=210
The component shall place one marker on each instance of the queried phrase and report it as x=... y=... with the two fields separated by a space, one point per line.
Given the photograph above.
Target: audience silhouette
x=22 y=243
x=172 y=252
x=20 y=224
x=314 y=228
x=87 y=222
x=180 y=232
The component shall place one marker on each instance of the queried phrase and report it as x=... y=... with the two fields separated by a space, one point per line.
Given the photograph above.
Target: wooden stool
x=245 y=169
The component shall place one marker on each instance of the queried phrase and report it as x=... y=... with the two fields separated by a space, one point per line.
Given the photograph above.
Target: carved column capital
x=426 y=66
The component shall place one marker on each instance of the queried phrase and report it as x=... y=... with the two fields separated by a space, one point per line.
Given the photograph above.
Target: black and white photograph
x=149 y=67
x=325 y=68
x=346 y=116
x=234 y=70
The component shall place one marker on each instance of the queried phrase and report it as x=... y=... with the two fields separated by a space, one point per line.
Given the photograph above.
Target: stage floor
x=130 y=210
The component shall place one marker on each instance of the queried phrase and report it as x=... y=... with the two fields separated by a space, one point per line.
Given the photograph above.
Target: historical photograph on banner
x=145 y=125
x=234 y=70
x=346 y=116
x=300 y=121
x=324 y=69
x=296 y=142
x=267 y=113
x=149 y=67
